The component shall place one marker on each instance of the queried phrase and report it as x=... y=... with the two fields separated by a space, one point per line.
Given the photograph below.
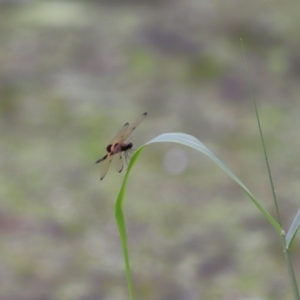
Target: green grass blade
x=293 y=230
x=262 y=139
x=121 y=221
x=191 y=142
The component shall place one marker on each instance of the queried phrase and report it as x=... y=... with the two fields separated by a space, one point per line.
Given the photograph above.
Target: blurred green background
x=72 y=73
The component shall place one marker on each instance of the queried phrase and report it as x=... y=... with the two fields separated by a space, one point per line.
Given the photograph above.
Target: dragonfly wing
x=119 y=136
x=133 y=126
x=104 y=166
x=118 y=162
x=115 y=148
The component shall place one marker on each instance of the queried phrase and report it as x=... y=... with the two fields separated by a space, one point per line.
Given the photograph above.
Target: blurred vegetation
x=72 y=73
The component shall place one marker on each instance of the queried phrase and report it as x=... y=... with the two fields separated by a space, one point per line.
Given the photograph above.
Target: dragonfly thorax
x=118 y=147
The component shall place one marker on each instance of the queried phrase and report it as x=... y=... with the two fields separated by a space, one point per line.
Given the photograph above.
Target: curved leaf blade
x=293 y=230
x=192 y=142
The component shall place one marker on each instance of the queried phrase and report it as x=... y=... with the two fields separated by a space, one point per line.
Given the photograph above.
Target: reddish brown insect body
x=117 y=146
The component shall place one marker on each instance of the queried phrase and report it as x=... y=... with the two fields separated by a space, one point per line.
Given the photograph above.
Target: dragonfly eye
x=108 y=148
x=129 y=146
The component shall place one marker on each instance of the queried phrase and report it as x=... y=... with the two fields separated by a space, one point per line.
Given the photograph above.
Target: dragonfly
x=117 y=147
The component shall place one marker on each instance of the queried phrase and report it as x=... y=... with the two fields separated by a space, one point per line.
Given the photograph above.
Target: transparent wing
x=119 y=136
x=118 y=162
x=104 y=166
x=133 y=126
x=122 y=135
